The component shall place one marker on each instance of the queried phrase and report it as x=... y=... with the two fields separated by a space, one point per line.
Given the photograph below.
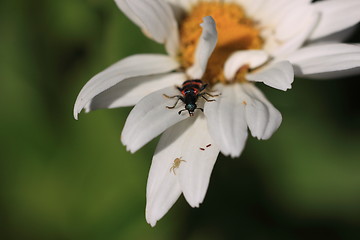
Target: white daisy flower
x=252 y=41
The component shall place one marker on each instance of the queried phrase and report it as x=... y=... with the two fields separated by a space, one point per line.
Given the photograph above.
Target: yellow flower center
x=235 y=32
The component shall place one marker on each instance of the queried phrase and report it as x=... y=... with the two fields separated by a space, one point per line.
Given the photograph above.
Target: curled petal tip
x=75 y=114
x=205 y=47
x=207 y=19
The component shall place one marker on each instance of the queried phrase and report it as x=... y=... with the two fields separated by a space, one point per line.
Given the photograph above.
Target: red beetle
x=191 y=90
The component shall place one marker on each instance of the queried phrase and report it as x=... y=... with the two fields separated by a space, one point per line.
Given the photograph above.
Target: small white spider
x=176 y=164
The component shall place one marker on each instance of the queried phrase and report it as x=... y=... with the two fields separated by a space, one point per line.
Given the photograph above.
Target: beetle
x=190 y=91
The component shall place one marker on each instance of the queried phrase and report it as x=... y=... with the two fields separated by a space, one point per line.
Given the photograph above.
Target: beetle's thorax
x=190 y=98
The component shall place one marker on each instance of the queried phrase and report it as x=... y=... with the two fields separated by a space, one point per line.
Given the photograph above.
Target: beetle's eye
x=187 y=91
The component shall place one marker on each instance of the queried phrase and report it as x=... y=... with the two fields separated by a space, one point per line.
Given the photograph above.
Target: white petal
x=226 y=119
x=178 y=8
x=163 y=188
x=150 y=117
x=130 y=91
x=184 y=4
x=291 y=45
x=125 y=8
x=337 y=74
x=172 y=42
x=272 y=11
x=204 y=49
x=252 y=7
x=279 y=75
x=190 y=140
x=335 y=16
x=325 y=58
x=293 y=20
x=155 y=17
x=182 y=143
x=253 y=58
x=340 y=36
x=133 y=66
x=261 y=116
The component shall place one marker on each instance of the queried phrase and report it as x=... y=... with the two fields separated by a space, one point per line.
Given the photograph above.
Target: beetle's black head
x=191 y=108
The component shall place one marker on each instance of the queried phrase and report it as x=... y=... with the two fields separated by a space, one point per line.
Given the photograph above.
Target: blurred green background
x=67 y=179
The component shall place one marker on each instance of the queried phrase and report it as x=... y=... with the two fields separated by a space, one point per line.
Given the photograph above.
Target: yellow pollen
x=235 y=32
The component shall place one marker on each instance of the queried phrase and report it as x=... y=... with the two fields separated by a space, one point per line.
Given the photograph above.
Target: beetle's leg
x=208 y=94
x=182 y=111
x=203 y=87
x=208 y=100
x=190 y=113
x=212 y=95
x=179 y=97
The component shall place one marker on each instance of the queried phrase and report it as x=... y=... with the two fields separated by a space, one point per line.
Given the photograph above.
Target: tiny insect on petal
x=176 y=164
